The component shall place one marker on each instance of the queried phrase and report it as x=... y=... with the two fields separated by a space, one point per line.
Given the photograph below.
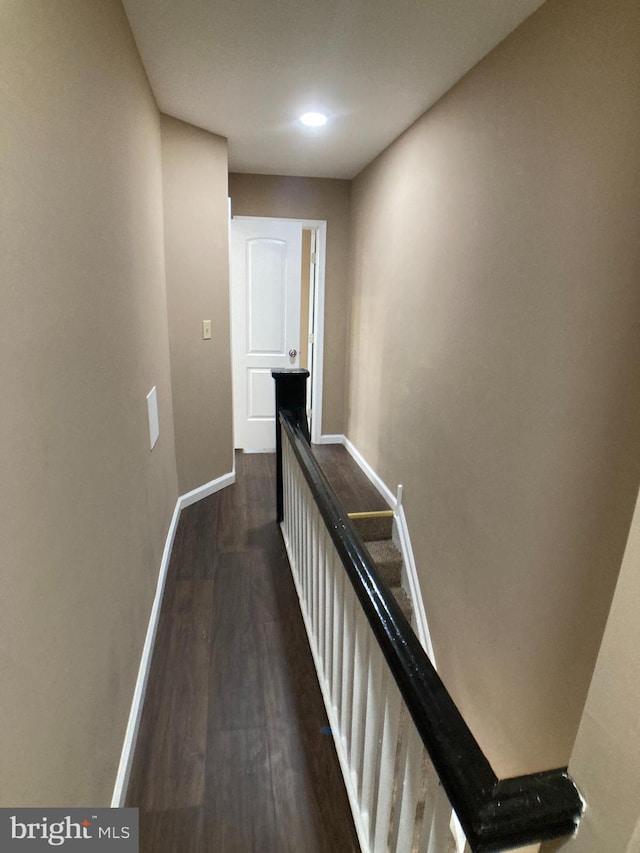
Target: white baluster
x=408 y=787
x=436 y=829
x=286 y=477
x=300 y=537
x=340 y=640
x=306 y=547
x=297 y=545
x=348 y=653
x=388 y=751
x=314 y=575
x=320 y=552
x=328 y=609
x=308 y=558
x=292 y=501
x=309 y=564
x=360 y=677
x=374 y=715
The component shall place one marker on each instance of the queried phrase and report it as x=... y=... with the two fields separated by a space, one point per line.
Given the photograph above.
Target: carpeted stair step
x=403 y=600
x=388 y=559
x=376 y=529
x=373 y=526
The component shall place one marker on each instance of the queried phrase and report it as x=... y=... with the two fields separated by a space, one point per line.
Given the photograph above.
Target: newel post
x=291 y=394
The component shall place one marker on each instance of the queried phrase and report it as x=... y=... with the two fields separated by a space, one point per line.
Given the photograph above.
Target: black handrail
x=496 y=814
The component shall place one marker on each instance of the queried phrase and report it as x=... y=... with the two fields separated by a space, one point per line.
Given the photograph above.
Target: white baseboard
x=133 y=724
x=131 y=733
x=210 y=488
x=330 y=439
x=415 y=593
x=377 y=481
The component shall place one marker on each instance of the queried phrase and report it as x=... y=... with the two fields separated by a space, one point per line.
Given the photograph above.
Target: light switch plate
x=206 y=330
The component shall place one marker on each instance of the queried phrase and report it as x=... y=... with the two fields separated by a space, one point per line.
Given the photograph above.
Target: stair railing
x=406 y=753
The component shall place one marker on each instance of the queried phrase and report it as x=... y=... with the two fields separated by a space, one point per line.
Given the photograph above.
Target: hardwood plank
x=260 y=501
x=281 y=682
x=299 y=822
x=292 y=692
x=174 y=730
x=193 y=553
x=235 y=683
x=310 y=805
x=265 y=592
x=231 y=526
x=304 y=764
x=354 y=489
x=171 y=830
x=262 y=529
x=239 y=815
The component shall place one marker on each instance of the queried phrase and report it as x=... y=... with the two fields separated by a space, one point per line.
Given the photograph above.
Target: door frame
x=319 y=227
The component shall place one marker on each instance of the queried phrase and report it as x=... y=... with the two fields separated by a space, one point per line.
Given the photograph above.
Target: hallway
x=233 y=753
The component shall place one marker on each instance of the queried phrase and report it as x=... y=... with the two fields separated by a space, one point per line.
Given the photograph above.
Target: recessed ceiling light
x=313 y=119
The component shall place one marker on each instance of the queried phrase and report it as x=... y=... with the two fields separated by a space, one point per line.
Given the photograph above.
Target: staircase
x=376 y=531
x=407 y=756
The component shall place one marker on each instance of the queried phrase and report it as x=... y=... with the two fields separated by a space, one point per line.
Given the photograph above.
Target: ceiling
x=246 y=69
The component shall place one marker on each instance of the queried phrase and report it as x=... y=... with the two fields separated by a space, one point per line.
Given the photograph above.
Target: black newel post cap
x=291 y=394
x=295 y=374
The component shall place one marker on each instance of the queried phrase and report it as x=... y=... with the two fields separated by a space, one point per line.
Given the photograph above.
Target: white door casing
x=265 y=266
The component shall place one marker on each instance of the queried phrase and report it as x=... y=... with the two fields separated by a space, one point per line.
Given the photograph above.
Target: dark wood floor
x=234 y=753
x=354 y=490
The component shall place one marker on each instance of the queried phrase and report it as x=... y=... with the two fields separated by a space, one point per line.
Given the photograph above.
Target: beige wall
x=312 y=198
x=495 y=363
x=196 y=249
x=605 y=762
x=85 y=504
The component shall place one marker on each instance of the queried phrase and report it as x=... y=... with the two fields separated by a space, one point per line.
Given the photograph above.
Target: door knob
x=293 y=352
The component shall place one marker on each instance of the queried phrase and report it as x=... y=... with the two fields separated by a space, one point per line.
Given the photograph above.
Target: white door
x=266 y=258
